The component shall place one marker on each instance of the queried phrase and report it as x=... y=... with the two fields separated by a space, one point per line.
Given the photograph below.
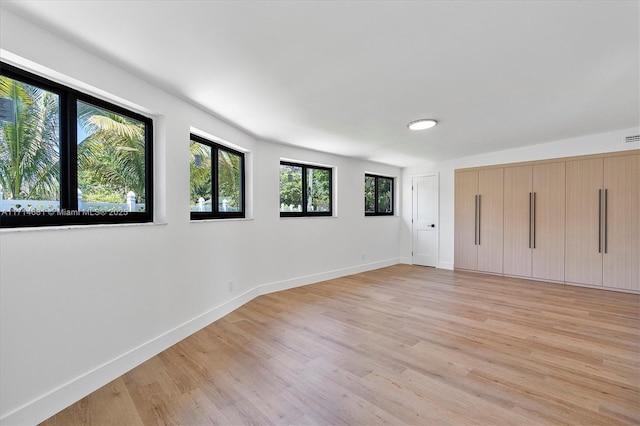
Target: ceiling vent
x=631 y=139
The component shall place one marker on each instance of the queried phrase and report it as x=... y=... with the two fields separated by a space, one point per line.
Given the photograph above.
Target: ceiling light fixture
x=424 y=123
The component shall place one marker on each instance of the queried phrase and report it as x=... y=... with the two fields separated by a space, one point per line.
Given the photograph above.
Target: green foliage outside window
x=29 y=142
x=378 y=195
x=291 y=186
x=385 y=188
x=216 y=180
x=304 y=190
x=369 y=194
x=229 y=179
x=110 y=153
x=200 y=171
x=318 y=190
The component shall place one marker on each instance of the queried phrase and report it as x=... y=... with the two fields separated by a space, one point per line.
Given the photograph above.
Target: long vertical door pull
x=530 y=222
x=606 y=207
x=599 y=220
x=534 y=220
x=475 y=222
x=479 y=217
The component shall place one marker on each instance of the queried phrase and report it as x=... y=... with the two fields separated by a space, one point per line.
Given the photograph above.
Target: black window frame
x=304 y=211
x=215 y=212
x=376 y=196
x=68 y=213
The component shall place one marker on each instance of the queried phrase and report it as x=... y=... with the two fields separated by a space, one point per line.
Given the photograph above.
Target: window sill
x=230 y=219
x=309 y=217
x=72 y=227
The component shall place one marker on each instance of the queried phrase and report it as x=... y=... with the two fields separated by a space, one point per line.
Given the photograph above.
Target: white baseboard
x=57 y=399
x=441 y=265
x=323 y=276
x=445 y=265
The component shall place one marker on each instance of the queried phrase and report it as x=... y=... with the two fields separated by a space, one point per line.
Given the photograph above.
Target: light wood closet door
x=491 y=220
x=466 y=249
x=621 y=261
x=518 y=190
x=549 y=221
x=583 y=260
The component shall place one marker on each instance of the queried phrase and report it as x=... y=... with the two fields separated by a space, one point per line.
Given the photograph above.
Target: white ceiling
x=347 y=76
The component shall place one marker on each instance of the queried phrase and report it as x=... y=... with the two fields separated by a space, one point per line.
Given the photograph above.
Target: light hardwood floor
x=399 y=345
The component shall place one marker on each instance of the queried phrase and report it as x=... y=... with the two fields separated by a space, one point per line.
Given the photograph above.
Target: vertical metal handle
x=606 y=213
x=599 y=220
x=479 y=216
x=475 y=222
x=530 y=222
x=534 y=220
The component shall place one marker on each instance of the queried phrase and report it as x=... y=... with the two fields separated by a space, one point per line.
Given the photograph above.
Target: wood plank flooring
x=399 y=345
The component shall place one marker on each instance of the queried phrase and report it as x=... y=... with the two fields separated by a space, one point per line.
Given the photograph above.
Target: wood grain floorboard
x=398 y=345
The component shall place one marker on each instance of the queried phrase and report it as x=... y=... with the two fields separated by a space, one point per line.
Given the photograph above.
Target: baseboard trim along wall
x=56 y=400
x=445 y=265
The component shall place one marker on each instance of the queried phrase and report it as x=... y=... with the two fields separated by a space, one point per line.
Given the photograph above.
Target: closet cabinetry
x=479 y=220
x=603 y=222
x=534 y=212
x=574 y=220
x=583 y=256
x=621 y=258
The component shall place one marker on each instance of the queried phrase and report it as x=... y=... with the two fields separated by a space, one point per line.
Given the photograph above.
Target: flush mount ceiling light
x=424 y=123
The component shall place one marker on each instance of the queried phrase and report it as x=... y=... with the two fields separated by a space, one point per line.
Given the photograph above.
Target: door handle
x=479 y=216
x=475 y=222
x=433 y=225
x=606 y=220
x=599 y=220
x=530 y=215
x=534 y=220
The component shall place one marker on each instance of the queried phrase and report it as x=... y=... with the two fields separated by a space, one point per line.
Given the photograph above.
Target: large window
x=378 y=195
x=305 y=190
x=217 y=180
x=69 y=158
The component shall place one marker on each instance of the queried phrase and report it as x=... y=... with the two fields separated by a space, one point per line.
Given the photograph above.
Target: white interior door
x=424 y=220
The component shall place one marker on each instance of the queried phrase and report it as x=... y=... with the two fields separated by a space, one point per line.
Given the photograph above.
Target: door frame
x=413 y=207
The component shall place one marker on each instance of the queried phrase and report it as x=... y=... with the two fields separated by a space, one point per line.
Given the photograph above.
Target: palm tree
x=29 y=144
x=200 y=171
x=229 y=177
x=111 y=158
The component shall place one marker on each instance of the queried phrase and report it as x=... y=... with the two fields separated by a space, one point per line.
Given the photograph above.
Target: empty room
x=319 y=212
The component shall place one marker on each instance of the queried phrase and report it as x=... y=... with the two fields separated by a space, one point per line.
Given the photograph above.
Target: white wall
x=80 y=306
x=591 y=144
